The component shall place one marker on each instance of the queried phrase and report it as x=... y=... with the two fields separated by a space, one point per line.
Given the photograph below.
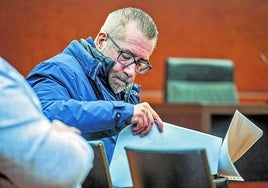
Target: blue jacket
x=73 y=87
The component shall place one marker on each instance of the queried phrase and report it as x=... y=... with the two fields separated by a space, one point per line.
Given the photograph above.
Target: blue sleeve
x=61 y=97
x=91 y=116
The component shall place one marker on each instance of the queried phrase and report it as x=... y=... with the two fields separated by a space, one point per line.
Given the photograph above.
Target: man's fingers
x=143 y=119
x=159 y=125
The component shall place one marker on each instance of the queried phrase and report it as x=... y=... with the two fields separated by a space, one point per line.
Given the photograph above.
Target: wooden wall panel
x=34 y=30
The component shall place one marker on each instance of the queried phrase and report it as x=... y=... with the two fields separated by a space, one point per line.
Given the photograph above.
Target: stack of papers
x=221 y=154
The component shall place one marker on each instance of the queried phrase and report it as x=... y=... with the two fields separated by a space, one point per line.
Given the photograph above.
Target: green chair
x=200 y=80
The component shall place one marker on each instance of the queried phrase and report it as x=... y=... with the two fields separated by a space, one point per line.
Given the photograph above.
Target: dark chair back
x=99 y=176
x=158 y=169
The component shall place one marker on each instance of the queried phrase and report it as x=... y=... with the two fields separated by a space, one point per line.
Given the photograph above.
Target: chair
x=200 y=80
x=99 y=176
x=158 y=169
x=5 y=182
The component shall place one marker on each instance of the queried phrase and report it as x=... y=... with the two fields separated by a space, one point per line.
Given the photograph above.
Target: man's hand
x=143 y=119
x=61 y=127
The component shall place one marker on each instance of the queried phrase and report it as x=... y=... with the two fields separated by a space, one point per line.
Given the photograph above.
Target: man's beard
x=119 y=82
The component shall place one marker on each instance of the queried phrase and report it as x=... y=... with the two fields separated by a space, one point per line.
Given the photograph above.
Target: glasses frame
x=136 y=62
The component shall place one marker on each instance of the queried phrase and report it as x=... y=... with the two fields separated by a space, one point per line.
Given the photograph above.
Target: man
x=90 y=85
x=33 y=152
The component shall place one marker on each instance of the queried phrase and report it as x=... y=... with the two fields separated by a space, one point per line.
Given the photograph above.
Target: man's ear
x=100 y=40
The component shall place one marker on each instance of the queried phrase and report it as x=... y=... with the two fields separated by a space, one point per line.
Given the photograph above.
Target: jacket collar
x=93 y=61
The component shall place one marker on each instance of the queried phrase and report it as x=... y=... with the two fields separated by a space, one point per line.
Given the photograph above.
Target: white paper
x=173 y=138
x=241 y=135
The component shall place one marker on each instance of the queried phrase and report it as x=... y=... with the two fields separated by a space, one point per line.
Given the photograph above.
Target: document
x=221 y=154
x=241 y=135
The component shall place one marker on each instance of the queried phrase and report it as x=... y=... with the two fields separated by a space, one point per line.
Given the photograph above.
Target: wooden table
x=259 y=184
x=198 y=116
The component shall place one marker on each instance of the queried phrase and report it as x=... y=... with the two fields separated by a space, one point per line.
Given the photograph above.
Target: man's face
x=136 y=44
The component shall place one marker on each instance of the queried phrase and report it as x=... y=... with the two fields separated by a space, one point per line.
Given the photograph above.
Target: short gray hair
x=117 y=20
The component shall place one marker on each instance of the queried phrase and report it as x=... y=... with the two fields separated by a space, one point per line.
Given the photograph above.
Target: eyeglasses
x=126 y=59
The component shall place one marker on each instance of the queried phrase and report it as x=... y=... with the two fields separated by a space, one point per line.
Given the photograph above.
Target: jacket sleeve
x=55 y=86
x=32 y=154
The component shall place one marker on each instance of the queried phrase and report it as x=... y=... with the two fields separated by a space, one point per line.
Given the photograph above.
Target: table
x=260 y=184
x=199 y=116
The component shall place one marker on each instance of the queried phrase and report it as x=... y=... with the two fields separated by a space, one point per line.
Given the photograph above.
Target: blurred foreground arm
x=33 y=152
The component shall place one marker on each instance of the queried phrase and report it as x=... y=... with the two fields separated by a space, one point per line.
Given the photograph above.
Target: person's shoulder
x=4 y=65
x=7 y=71
x=56 y=63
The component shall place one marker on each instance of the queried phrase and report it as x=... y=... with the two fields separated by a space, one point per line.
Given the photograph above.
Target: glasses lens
x=125 y=58
x=143 y=66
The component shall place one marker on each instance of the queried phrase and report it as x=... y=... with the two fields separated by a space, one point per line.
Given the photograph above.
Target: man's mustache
x=124 y=78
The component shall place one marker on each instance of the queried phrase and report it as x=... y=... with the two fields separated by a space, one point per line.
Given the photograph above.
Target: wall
x=34 y=30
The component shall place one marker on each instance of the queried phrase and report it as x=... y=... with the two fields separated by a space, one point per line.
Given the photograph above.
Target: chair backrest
x=157 y=169
x=99 y=176
x=200 y=80
x=5 y=182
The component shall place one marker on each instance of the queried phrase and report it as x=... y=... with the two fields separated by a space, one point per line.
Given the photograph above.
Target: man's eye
x=125 y=57
x=139 y=64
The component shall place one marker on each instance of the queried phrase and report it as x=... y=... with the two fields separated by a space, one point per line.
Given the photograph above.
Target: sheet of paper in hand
x=241 y=135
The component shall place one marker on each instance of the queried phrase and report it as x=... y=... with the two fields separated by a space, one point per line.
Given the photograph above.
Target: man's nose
x=130 y=70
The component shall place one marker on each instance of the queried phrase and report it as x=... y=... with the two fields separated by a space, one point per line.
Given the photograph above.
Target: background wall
x=34 y=30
